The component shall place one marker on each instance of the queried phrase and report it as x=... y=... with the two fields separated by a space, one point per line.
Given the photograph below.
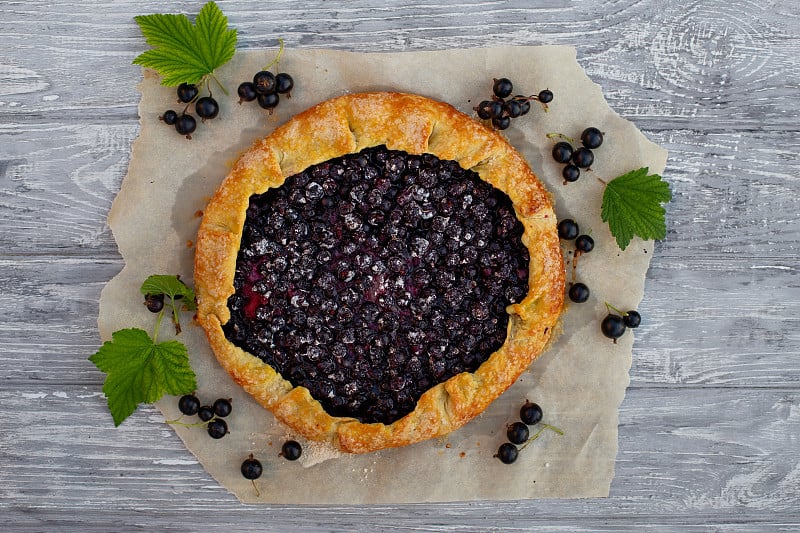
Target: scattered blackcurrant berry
x=502 y=87
x=187 y=92
x=291 y=450
x=584 y=243
x=578 y=293
x=517 y=433
x=185 y=125
x=217 y=428
x=284 y=84
x=501 y=123
x=545 y=96
x=613 y=326
x=251 y=468
x=222 y=407
x=582 y=158
x=484 y=110
x=512 y=108
x=189 y=404
x=268 y=101
x=592 y=138
x=154 y=302
x=571 y=173
x=562 y=152
x=247 y=92
x=524 y=104
x=632 y=319
x=568 y=229
x=169 y=117
x=264 y=82
x=507 y=453
x=530 y=413
x=205 y=413
x=206 y=107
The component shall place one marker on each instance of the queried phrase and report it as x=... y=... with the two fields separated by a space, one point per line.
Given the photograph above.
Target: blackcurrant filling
x=370 y=278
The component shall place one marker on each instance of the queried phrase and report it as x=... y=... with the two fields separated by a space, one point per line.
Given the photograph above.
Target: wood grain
x=709 y=427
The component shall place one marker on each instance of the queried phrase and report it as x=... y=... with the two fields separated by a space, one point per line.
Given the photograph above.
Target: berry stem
x=158 y=325
x=538 y=433
x=612 y=308
x=277 y=58
x=562 y=137
x=177 y=422
x=221 y=86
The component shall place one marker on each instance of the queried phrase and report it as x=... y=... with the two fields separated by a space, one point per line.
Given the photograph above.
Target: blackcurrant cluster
x=266 y=88
x=206 y=108
x=501 y=109
x=617 y=322
x=211 y=416
x=518 y=433
x=575 y=159
x=568 y=230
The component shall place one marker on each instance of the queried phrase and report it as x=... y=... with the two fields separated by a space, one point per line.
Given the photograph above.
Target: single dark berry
x=205 y=413
x=268 y=101
x=264 y=82
x=583 y=157
x=584 y=243
x=592 y=138
x=578 y=293
x=632 y=319
x=284 y=83
x=530 y=413
x=517 y=433
x=247 y=92
x=545 y=96
x=613 y=326
x=501 y=123
x=169 y=117
x=484 y=110
x=187 y=92
x=251 y=468
x=568 y=229
x=154 y=302
x=512 y=108
x=185 y=125
x=217 y=428
x=507 y=453
x=206 y=107
x=571 y=173
x=222 y=407
x=562 y=152
x=524 y=104
x=291 y=450
x=189 y=404
x=502 y=87
x=496 y=109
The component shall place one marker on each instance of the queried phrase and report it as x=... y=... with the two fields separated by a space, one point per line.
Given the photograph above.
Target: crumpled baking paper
x=580 y=382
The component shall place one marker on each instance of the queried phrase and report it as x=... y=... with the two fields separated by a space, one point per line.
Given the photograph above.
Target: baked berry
x=517 y=433
x=502 y=87
x=251 y=468
x=568 y=229
x=571 y=173
x=154 y=302
x=185 y=125
x=169 y=117
x=247 y=92
x=507 y=453
x=582 y=157
x=205 y=413
x=217 y=428
x=632 y=319
x=222 y=407
x=530 y=413
x=206 y=107
x=187 y=92
x=584 y=243
x=578 y=293
x=592 y=138
x=562 y=152
x=613 y=326
x=189 y=404
x=264 y=82
x=545 y=96
x=291 y=450
x=284 y=83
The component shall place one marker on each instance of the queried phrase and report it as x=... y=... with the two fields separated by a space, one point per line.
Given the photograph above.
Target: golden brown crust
x=416 y=125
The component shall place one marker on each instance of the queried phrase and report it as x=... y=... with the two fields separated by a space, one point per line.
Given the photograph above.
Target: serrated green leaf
x=632 y=206
x=140 y=371
x=184 y=52
x=170 y=286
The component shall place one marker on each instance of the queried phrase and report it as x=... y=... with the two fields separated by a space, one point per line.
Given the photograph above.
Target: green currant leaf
x=141 y=371
x=170 y=286
x=632 y=206
x=184 y=52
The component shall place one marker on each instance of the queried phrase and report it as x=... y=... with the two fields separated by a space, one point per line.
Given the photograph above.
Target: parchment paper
x=580 y=382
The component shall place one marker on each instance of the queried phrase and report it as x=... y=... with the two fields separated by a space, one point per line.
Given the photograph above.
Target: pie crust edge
x=348 y=124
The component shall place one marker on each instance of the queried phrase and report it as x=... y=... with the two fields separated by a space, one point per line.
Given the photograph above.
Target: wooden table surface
x=710 y=427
